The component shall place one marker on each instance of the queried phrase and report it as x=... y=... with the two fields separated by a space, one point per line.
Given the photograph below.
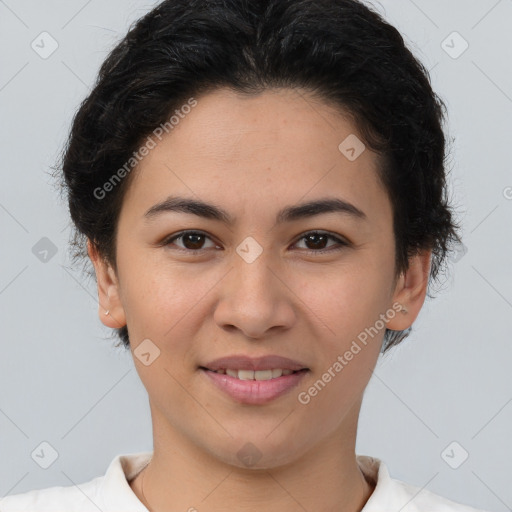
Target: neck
x=327 y=477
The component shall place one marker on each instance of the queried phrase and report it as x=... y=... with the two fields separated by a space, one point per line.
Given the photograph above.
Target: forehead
x=281 y=146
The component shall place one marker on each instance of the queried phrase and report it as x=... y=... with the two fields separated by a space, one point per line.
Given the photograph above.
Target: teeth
x=255 y=375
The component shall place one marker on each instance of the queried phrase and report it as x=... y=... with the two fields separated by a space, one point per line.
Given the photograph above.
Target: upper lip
x=241 y=362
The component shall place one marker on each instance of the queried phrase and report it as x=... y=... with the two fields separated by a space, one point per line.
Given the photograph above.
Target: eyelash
x=342 y=243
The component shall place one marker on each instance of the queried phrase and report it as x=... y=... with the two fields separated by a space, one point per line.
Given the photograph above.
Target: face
x=304 y=286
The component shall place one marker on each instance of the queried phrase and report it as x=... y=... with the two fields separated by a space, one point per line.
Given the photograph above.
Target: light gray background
x=63 y=382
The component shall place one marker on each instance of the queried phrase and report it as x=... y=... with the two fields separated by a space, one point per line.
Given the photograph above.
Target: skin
x=253 y=156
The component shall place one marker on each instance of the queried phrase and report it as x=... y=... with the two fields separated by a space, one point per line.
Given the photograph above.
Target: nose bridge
x=253 y=270
x=254 y=299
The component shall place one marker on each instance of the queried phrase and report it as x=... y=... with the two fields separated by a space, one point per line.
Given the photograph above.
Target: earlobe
x=110 y=308
x=411 y=290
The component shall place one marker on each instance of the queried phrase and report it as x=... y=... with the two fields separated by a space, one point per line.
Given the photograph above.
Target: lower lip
x=254 y=392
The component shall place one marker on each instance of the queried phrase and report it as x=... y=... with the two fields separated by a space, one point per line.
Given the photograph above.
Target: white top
x=112 y=492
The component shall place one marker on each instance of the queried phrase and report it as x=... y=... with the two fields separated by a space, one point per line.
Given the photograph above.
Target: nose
x=255 y=298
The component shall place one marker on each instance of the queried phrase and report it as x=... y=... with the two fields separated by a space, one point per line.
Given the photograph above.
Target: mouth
x=259 y=375
x=253 y=387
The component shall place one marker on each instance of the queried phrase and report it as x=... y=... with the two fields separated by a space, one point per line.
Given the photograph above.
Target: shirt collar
x=388 y=494
x=115 y=489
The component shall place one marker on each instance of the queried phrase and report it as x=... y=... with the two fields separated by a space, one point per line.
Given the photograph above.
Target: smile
x=254 y=387
x=254 y=374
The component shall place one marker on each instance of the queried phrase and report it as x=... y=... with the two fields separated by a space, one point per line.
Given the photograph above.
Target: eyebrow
x=287 y=214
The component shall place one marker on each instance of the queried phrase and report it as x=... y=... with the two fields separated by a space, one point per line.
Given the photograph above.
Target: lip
x=241 y=362
x=254 y=392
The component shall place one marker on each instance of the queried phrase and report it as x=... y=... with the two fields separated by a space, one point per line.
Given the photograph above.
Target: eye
x=192 y=240
x=318 y=239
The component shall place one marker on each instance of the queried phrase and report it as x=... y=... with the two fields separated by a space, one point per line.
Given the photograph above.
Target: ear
x=410 y=291
x=108 y=291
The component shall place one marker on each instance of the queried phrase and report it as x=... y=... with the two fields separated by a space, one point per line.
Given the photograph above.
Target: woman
x=260 y=187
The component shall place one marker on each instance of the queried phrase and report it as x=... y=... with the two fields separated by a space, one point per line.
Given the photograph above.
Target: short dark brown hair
x=341 y=50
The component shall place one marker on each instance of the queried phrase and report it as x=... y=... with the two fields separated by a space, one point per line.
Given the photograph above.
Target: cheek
x=347 y=299
x=349 y=337
x=347 y=307
x=162 y=300
x=337 y=389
